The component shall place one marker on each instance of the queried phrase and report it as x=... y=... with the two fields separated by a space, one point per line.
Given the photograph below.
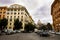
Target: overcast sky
x=38 y=9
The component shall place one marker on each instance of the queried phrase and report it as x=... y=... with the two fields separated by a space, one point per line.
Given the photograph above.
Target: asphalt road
x=28 y=36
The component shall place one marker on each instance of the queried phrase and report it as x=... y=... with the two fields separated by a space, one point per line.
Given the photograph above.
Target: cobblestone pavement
x=28 y=36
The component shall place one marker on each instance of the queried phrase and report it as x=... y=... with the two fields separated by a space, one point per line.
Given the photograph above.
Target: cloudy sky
x=38 y=9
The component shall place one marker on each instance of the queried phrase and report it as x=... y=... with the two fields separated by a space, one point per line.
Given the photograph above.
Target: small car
x=44 y=33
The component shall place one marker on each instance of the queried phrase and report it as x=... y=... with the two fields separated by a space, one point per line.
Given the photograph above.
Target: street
x=28 y=36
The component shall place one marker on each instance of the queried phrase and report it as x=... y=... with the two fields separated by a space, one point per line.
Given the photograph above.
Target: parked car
x=52 y=32
x=9 y=32
x=35 y=30
x=5 y=31
x=57 y=33
x=14 y=31
x=43 y=33
x=38 y=31
x=18 y=31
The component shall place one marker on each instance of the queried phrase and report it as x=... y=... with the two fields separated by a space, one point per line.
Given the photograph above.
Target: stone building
x=2 y=12
x=55 y=12
x=39 y=23
x=16 y=11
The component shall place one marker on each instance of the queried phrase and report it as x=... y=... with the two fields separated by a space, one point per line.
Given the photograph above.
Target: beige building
x=39 y=23
x=2 y=12
x=55 y=12
x=17 y=11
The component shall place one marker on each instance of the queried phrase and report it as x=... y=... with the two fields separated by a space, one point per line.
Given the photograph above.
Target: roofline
x=55 y=1
x=3 y=7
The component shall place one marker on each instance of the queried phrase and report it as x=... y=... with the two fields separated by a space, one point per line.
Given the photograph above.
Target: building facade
x=39 y=23
x=55 y=12
x=2 y=12
x=17 y=11
x=14 y=12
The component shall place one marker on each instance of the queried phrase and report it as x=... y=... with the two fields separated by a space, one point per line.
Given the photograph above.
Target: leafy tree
x=4 y=22
x=29 y=27
x=20 y=24
x=49 y=26
x=43 y=27
x=0 y=25
x=17 y=24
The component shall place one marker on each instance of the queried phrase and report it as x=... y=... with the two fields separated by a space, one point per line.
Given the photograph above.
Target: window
x=7 y=13
x=1 y=9
x=0 y=12
x=0 y=16
x=59 y=9
x=9 y=27
x=14 y=13
x=18 y=13
x=25 y=14
x=10 y=23
x=22 y=8
x=4 y=9
x=21 y=19
x=21 y=16
x=11 y=13
x=10 y=19
x=3 y=12
x=8 y=9
x=26 y=20
x=6 y=27
x=11 y=9
x=3 y=16
x=14 y=17
x=7 y=16
x=14 y=9
x=18 y=16
x=13 y=6
x=21 y=13
x=18 y=9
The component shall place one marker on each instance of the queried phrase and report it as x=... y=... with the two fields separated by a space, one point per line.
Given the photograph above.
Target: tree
x=4 y=22
x=0 y=25
x=49 y=26
x=26 y=27
x=43 y=27
x=17 y=24
x=20 y=24
x=29 y=27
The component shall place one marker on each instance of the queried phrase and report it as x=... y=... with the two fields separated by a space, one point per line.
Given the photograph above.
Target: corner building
x=17 y=11
x=55 y=12
x=2 y=12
